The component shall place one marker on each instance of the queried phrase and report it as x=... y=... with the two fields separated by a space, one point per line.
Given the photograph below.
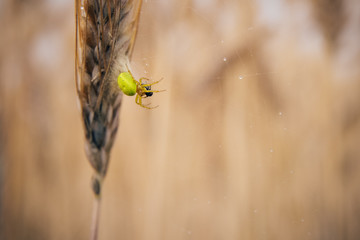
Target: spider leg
x=138 y=101
x=149 y=84
x=137 y=82
x=140 y=80
x=127 y=67
x=146 y=106
x=144 y=78
x=145 y=90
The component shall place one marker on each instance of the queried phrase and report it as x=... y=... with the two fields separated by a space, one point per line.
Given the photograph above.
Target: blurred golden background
x=256 y=137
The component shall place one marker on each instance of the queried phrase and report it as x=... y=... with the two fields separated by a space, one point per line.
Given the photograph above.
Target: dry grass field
x=257 y=135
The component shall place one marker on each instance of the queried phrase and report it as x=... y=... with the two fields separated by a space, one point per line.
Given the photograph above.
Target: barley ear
x=105 y=36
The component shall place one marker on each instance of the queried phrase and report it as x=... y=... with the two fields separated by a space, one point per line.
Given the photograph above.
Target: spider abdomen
x=127 y=83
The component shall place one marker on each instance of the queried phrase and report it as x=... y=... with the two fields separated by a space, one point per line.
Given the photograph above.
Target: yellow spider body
x=130 y=87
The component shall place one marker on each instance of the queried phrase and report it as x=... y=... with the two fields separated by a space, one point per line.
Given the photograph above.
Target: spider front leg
x=149 y=84
x=138 y=100
x=146 y=88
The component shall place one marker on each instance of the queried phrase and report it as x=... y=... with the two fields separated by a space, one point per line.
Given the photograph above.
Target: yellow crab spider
x=129 y=86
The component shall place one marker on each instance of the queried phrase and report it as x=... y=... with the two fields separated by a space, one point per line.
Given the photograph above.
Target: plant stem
x=95 y=218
